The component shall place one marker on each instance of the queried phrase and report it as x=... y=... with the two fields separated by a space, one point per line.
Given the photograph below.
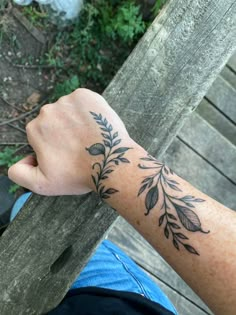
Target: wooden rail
x=157 y=88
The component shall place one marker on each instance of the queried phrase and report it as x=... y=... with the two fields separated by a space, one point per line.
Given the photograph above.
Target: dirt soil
x=23 y=86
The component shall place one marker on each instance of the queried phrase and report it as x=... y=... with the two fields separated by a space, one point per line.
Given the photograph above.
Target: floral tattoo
x=112 y=156
x=175 y=210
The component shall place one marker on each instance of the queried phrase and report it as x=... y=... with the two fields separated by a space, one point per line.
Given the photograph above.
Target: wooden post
x=157 y=88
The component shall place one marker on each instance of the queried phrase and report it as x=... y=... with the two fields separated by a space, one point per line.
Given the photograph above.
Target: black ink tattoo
x=111 y=156
x=158 y=182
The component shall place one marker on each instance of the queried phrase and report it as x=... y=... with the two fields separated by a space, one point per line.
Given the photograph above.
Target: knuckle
x=62 y=99
x=44 y=109
x=29 y=126
x=81 y=91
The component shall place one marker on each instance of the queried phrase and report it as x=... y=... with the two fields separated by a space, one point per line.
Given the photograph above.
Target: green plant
x=96 y=45
x=37 y=17
x=66 y=87
x=124 y=21
x=158 y=5
x=14 y=188
x=8 y=157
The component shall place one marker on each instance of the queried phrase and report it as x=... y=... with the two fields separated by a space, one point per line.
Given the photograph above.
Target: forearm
x=87 y=145
x=181 y=223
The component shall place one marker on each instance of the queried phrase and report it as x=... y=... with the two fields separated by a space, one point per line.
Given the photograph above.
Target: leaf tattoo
x=182 y=207
x=111 y=156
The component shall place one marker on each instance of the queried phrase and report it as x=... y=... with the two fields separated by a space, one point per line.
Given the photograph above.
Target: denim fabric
x=111 y=268
x=19 y=204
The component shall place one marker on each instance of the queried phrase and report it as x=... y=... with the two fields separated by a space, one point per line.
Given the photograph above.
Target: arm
x=82 y=140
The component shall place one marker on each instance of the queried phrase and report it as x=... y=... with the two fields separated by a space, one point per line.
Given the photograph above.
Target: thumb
x=27 y=173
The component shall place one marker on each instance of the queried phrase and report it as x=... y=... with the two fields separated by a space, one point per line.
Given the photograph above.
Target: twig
x=17 y=128
x=23 y=115
x=17 y=65
x=22 y=147
x=20 y=116
x=11 y=105
x=12 y=143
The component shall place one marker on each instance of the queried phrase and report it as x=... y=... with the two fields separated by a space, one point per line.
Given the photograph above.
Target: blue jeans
x=111 y=268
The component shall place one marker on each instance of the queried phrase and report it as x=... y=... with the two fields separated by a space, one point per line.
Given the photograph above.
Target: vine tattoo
x=112 y=156
x=175 y=209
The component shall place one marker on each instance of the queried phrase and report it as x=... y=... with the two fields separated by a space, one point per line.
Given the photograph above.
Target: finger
x=26 y=173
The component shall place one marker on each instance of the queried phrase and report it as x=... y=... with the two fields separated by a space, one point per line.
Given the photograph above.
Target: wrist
x=111 y=171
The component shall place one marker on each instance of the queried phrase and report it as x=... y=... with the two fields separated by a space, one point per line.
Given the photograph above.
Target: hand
x=59 y=137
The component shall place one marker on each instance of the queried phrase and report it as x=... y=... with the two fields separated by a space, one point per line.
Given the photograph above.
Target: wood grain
x=223 y=96
x=229 y=76
x=232 y=62
x=224 y=126
x=200 y=173
x=198 y=134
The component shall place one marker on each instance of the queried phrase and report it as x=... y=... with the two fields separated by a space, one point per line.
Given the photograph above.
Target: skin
x=60 y=135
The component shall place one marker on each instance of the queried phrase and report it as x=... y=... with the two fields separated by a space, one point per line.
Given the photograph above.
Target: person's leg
x=111 y=268
x=19 y=204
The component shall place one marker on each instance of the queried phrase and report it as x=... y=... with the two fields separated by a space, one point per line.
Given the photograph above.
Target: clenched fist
x=65 y=137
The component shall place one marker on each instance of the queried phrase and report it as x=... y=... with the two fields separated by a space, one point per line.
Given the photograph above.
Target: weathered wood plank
x=160 y=84
x=210 y=144
x=217 y=120
x=202 y=175
x=223 y=96
x=188 y=56
x=229 y=76
x=232 y=62
x=131 y=242
x=51 y=268
x=182 y=305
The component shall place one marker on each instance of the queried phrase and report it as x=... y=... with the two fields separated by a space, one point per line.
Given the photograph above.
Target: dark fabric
x=7 y=200
x=99 y=301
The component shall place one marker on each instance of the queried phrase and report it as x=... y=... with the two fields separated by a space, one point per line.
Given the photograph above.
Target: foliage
x=36 y=16
x=124 y=22
x=96 y=45
x=158 y=5
x=14 y=188
x=66 y=87
x=8 y=157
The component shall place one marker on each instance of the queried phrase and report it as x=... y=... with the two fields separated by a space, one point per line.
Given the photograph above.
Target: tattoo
x=111 y=156
x=159 y=182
